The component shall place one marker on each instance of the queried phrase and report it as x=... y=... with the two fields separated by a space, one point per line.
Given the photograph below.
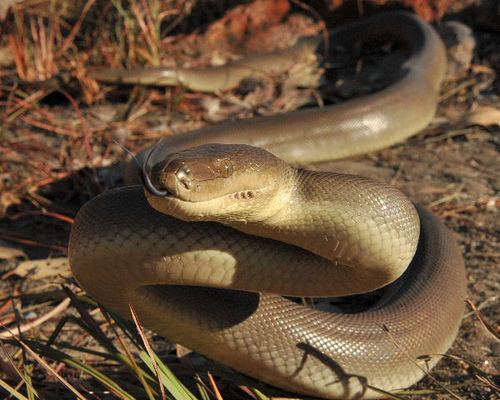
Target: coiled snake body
x=266 y=229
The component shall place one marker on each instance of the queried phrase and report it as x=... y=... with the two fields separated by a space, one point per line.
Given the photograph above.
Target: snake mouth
x=166 y=191
x=171 y=188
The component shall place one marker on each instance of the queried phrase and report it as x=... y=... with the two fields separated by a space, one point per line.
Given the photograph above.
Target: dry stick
x=48 y=127
x=487 y=382
x=129 y=356
x=51 y=179
x=149 y=350
x=214 y=386
x=248 y=391
x=481 y=305
x=457 y=89
x=85 y=126
x=12 y=390
x=71 y=37
x=178 y=19
x=51 y=370
x=13 y=364
x=485 y=323
x=24 y=105
x=58 y=216
x=146 y=22
x=42 y=361
x=426 y=372
x=200 y=382
x=482 y=376
x=10 y=100
x=63 y=305
x=16 y=239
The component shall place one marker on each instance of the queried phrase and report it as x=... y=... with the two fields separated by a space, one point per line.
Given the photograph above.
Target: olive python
x=224 y=227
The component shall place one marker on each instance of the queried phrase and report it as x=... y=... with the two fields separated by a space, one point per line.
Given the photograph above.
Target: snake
x=228 y=229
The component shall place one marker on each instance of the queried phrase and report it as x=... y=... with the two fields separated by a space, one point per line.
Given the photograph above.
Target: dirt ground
x=49 y=167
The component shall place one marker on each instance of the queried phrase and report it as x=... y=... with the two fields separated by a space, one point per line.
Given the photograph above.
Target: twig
x=149 y=350
x=214 y=387
x=486 y=325
x=425 y=371
x=30 y=242
x=58 y=216
x=50 y=369
x=71 y=37
x=63 y=305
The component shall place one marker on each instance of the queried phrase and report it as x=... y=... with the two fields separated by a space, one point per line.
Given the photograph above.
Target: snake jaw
x=217 y=183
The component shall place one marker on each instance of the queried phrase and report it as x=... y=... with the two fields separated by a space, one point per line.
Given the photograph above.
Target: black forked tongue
x=143 y=173
x=148 y=183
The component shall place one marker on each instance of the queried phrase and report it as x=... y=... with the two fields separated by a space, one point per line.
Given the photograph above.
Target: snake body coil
x=276 y=230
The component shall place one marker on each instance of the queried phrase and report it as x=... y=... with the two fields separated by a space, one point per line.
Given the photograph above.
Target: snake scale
x=219 y=233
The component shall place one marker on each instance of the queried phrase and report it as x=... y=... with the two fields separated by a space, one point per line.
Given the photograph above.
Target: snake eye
x=226 y=168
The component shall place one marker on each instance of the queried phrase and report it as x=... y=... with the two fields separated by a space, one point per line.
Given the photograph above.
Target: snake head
x=214 y=180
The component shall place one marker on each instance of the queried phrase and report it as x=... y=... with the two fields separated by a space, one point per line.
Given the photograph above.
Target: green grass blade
x=203 y=391
x=259 y=394
x=105 y=380
x=168 y=378
x=24 y=375
x=57 y=355
x=30 y=390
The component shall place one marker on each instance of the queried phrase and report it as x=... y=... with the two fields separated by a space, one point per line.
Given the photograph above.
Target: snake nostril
x=183 y=176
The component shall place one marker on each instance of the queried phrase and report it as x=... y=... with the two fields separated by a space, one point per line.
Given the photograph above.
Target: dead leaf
x=7 y=253
x=44 y=269
x=482 y=115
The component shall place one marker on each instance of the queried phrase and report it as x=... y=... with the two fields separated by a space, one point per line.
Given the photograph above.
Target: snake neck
x=345 y=219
